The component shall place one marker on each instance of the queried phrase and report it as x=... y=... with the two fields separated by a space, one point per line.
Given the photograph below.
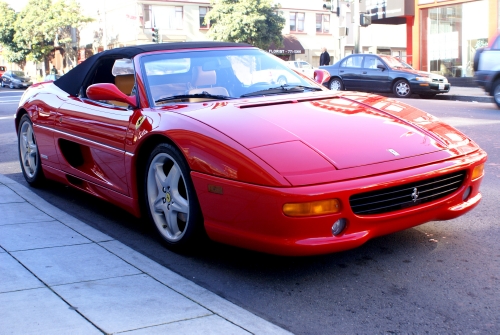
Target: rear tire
x=170 y=199
x=496 y=92
x=402 y=89
x=29 y=156
x=336 y=84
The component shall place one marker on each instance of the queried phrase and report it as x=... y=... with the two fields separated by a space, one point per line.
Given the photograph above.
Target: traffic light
x=328 y=5
x=155 y=35
x=365 y=20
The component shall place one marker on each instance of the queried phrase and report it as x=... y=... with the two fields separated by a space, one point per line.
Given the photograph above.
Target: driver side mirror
x=107 y=91
x=321 y=76
x=381 y=67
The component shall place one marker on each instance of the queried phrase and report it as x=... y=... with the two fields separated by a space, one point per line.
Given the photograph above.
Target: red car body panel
x=261 y=153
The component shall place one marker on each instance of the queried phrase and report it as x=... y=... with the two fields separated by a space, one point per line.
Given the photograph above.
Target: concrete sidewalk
x=61 y=276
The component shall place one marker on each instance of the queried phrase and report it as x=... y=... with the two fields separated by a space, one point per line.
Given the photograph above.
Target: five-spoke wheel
x=402 y=89
x=170 y=197
x=336 y=84
x=29 y=155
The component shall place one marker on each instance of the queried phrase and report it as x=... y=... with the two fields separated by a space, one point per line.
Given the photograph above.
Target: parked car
x=487 y=69
x=204 y=151
x=383 y=73
x=2 y=69
x=302 y=67
x=15 y=79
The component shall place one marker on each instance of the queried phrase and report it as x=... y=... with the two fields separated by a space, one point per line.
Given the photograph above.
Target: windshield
x=394 y=62
x=18 y=73
x=229 y=73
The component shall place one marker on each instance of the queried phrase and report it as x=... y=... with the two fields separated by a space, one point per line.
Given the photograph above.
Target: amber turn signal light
x=478 y=171
x=313 y=208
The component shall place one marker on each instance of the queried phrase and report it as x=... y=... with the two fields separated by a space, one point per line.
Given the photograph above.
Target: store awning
x=291 y=45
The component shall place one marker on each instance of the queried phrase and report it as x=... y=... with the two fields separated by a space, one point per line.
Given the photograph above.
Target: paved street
x=438 y=278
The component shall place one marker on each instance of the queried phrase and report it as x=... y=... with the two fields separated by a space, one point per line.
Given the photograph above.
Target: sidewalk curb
x=226 y=310
x=466 y=98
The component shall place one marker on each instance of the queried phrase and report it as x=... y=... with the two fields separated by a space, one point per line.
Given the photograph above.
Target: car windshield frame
x=229 y=72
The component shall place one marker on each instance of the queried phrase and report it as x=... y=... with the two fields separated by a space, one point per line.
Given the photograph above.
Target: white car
x=302 y=67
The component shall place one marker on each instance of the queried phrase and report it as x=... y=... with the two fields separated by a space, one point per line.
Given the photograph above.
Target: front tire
x=170 y=199
x=402 y=89
x=496 y=92
x=336 y=84
x=29 y=156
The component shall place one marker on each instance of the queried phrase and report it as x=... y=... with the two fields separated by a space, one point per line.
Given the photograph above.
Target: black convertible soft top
x=72 y=81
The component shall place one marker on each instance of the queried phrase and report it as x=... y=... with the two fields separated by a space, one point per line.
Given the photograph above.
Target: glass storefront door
x=450 y=36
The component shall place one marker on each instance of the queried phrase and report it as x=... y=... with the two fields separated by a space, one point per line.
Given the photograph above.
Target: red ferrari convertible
x=201 y=138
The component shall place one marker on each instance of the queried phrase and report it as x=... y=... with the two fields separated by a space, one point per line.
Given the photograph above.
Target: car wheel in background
x=496 y=92
x=2 y=84
x=336 y=84
x=11 y=86
x=29 y=156
x=402 y=89
x=170 y=199
x=427 y=96
x=282 y=80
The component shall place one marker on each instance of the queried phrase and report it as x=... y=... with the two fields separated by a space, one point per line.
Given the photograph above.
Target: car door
x=350 y=72
x=374 y=75
x=90 y=137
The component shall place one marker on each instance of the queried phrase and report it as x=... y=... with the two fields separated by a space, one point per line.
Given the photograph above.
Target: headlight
x=426 y=79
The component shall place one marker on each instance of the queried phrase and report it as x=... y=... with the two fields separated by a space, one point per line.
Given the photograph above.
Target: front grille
x=407 y=195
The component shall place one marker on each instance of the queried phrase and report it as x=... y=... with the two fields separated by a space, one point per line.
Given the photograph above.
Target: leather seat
x=125 y=83
x=204 y=81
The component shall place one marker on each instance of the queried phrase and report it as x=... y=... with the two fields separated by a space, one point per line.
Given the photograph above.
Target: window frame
x=299 y=19
x=321 y=26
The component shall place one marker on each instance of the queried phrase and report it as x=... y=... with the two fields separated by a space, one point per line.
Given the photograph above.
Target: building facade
x=442 y=36
x=308 y=28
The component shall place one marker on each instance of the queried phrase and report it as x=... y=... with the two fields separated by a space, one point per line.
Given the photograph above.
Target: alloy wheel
x=28 y=150
x=167 y=197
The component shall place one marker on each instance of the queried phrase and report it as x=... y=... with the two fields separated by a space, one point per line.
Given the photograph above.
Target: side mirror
x=381 y=67
x=106 y=91
x=321 y=76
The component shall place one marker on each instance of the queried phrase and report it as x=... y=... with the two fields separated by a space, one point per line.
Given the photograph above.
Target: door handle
x=341 y=71
x=364 y=72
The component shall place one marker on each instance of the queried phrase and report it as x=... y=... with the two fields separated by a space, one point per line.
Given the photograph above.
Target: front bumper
x=250 y=216
x=419 y=87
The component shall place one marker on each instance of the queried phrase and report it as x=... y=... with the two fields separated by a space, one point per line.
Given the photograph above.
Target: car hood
x=330 y=131
x=421 y=73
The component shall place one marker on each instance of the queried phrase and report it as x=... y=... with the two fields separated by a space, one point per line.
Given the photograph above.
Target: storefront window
x=450 y=36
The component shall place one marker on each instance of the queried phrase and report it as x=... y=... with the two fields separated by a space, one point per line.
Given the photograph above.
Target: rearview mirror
x=107 y=91
x=321 y=76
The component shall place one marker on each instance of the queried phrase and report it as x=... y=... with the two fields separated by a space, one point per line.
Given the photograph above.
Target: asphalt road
x=438 y=278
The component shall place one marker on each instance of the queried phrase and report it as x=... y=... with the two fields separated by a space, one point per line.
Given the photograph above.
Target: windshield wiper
x=282 y=89
x=196 y=95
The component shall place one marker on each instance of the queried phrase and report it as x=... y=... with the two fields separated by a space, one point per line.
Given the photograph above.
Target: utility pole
x=355 y=25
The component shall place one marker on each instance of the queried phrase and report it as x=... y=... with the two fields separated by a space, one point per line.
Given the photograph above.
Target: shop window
x=322 y=23
x=297 y=22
